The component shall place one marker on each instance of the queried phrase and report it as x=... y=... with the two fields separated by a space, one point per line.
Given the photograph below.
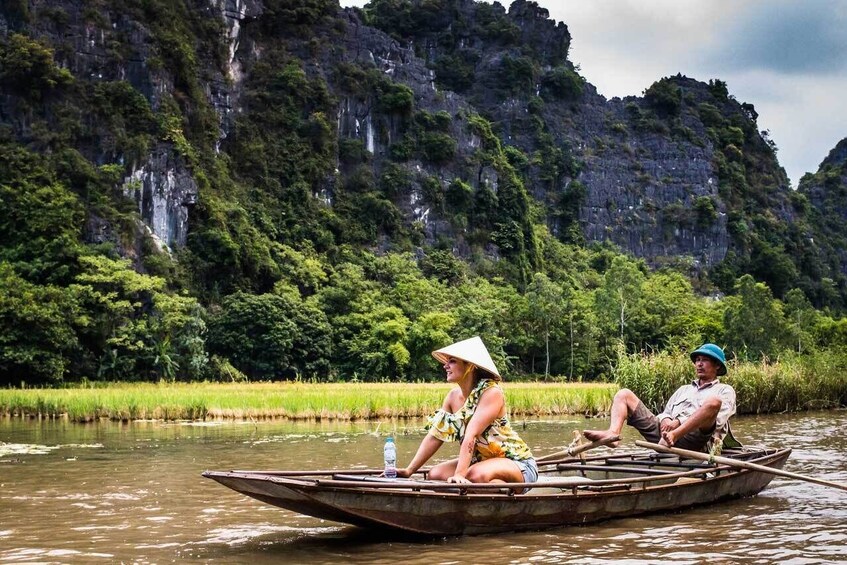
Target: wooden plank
x=612 y=469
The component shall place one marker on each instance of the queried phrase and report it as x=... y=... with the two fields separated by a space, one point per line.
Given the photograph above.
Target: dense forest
x=258 y=192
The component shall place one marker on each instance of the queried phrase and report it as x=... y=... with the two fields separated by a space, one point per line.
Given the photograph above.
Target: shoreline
x=287 y=400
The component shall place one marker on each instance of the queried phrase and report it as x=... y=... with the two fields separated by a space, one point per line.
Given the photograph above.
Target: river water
x=109 y=492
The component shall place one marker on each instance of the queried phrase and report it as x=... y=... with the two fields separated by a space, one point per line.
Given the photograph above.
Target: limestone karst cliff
x=412 y=123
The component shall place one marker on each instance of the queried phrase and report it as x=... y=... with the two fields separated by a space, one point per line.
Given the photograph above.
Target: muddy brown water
x=109 y=492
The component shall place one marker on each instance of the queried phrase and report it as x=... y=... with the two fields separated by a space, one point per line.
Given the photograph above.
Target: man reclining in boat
x=696 y=416
x=474 y=413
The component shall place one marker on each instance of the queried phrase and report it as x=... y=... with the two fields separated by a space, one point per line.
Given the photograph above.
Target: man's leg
x=624 y=405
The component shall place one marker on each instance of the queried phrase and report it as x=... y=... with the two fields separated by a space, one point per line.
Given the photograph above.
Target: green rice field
x=789 y=384
x=346 y=401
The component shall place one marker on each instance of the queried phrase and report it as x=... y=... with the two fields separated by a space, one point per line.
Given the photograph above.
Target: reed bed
x=788 y=384
x=344 y=401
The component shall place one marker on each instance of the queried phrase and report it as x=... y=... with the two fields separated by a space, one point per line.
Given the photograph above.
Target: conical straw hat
x=470 y=351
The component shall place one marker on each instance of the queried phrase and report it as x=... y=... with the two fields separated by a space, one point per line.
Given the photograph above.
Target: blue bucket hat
x=713 y=351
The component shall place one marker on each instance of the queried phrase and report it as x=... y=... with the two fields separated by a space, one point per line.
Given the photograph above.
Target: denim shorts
x=529 y=470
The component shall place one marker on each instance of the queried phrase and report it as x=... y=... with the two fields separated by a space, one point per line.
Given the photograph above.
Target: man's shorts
x=648 y=425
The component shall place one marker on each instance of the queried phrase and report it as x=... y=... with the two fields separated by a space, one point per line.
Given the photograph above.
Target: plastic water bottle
x=390 y=453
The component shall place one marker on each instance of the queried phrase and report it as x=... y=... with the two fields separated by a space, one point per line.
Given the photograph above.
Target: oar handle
x=578 y=449
x=735 y=463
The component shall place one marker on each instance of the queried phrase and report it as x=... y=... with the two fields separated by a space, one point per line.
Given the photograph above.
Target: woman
x=474 y=413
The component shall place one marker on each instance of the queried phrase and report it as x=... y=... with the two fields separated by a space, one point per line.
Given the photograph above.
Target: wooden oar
x=735 y=463
x=578 y=449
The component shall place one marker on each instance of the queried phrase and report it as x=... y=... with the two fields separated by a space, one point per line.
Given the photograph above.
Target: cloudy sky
x=787 y=58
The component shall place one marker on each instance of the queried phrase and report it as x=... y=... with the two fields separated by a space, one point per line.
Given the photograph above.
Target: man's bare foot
x=599 y=435
x=668 y=439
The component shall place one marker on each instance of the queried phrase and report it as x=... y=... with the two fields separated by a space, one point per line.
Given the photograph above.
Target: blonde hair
x=478 y=373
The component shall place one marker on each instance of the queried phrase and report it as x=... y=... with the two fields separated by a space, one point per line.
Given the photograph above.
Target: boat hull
x=457 y=512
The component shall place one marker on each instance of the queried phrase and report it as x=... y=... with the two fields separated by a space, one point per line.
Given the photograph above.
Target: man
x=696 y=416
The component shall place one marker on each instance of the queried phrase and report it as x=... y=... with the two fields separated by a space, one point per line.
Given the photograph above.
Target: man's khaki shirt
x=688 y=398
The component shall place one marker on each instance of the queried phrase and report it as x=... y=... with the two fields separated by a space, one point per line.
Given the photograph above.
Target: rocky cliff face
x=826 y=191
x=107 y=42
x=663 y=177
x=650 y=178
x=642 y=187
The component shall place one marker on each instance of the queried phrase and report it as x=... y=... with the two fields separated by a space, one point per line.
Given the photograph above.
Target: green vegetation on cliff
x=313 y=255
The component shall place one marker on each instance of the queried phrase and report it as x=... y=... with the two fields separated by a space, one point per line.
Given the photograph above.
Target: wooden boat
x=570 y=491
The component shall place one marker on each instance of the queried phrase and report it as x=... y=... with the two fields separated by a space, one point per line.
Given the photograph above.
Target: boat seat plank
x=612 y=469
x=653 y=463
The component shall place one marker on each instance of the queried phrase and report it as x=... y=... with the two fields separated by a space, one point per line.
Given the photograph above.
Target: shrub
x=459 y=196
x=456 y=72
x=351 y=151
x=395 y=98
x=27 y=67
x=705 y=209
x=535 y=105
x=438 y=148
x=514 y=76
x=297 y=12
x=664 y=96
x=562 y=83
x=710 y=115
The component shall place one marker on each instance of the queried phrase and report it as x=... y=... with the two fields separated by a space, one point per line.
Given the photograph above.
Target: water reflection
x=108 y=492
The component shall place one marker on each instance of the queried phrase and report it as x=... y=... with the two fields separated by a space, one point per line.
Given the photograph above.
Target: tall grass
x=790 y=383
x=787 y=384
x=349 y=401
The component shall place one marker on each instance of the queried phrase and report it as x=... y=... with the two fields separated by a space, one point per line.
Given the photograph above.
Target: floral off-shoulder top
x=497 y=440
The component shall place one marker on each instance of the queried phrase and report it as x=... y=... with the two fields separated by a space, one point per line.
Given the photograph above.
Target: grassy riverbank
x=786 y=385
x=789 y=384
x=348 y=401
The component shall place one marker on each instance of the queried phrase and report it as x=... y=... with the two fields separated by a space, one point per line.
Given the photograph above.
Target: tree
x=302 y=269
x=40 y=219
x=272 y=336
x=672 y=312
x=377 y=345
x=801 y=318
x=583 y=332
x=256 y=333
x=546 y=309
x=134 y=326
x=28 y=69
x=620 y=296
x=37 y=337
x=178 y=335
x=418 y=296
x=481 y=307
x=429 y=332
x=754 y=321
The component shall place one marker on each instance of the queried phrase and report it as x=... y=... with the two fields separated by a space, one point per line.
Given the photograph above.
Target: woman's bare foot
x=599 y=435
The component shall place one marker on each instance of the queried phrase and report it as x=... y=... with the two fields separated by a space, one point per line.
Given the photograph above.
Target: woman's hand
x=404 y=473
x=458 y=479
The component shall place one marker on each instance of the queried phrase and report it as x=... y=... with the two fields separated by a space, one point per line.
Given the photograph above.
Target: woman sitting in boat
x=474 y=413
